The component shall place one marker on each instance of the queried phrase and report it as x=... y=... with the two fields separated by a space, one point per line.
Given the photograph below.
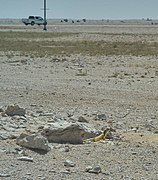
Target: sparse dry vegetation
x=41 y=44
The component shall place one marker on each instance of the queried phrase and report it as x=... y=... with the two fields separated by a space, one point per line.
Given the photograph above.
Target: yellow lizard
x=98 y=138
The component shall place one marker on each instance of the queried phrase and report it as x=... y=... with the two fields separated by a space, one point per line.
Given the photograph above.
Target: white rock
x=25 y=158
x=65 y=149
x=95 y=169
x=4 y=175
x=69 y=163
x=64 y=132
x=34 y=141
x=88 y=168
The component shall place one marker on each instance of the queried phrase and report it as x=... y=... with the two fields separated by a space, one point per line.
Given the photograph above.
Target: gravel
x=116 y=91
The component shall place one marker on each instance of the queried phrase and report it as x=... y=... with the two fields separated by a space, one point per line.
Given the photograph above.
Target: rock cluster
x=16 y=124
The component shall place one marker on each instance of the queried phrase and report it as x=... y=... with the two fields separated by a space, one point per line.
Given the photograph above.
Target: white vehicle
x=33 y=20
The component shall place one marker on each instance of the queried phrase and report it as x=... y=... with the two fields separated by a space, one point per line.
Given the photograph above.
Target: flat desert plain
x=107 y=74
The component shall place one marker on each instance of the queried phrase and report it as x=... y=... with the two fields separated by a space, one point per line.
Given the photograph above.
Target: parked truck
x=33 y=20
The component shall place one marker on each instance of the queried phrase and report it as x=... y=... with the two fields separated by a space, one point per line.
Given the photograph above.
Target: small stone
x=28 y=173
x=81 y=72
x=69 y=163
x=109 y=135
x=52 y=171
x=39 y=111
x=66 y=172
x=3 y=114
x=156 y=132
x=88 y=168
x=1 y=110
x=5 y=135
x=153 y=117
x=65 y=149
x=4 y=175
x=25 y=158
x=43 y=178
x=82 y=119
x=134 y=153
x=101 y=117
x=13 y=110
x=96 y=170
x=41 y=127
x=110 y=143
x=134 y=129
x=47 y=114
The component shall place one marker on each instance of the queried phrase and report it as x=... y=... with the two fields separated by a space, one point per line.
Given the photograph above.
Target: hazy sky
x=77 y=9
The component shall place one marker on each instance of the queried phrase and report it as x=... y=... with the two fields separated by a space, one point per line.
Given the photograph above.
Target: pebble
x=13 y=110
x=1 y=110
x=65 y=149
x=25 y=158
x=4 y=175
x=47 y=114
x=88 y=168
x=66 y=172
x=101 y=117
x=95 y=169
x=134 y=129
x=156 y=132
x=69 y=163
x=82 y=119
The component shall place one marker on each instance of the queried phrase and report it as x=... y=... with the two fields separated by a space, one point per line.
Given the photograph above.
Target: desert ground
x=105 y=73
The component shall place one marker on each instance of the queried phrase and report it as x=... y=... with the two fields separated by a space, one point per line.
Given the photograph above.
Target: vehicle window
x=31 y=17
x=39 y=18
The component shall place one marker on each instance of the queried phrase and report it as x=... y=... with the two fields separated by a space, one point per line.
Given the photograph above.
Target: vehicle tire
x=32 y=23
x=26 y=24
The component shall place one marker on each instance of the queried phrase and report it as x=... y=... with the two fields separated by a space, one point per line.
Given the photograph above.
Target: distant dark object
x=45 y=16
x=31 y=17
x=66 y=20
x=84 y=20
x=149 y=19
x=61 y=21
x=72 y=21
x=78 y=21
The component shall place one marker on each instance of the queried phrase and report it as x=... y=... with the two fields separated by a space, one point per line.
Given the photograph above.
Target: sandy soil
x=124 y=88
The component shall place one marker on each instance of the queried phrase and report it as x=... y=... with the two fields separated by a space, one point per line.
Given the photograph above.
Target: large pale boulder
x=33 y=141
x=65 y=132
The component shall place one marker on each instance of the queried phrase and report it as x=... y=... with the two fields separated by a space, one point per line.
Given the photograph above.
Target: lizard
x=99 y=137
